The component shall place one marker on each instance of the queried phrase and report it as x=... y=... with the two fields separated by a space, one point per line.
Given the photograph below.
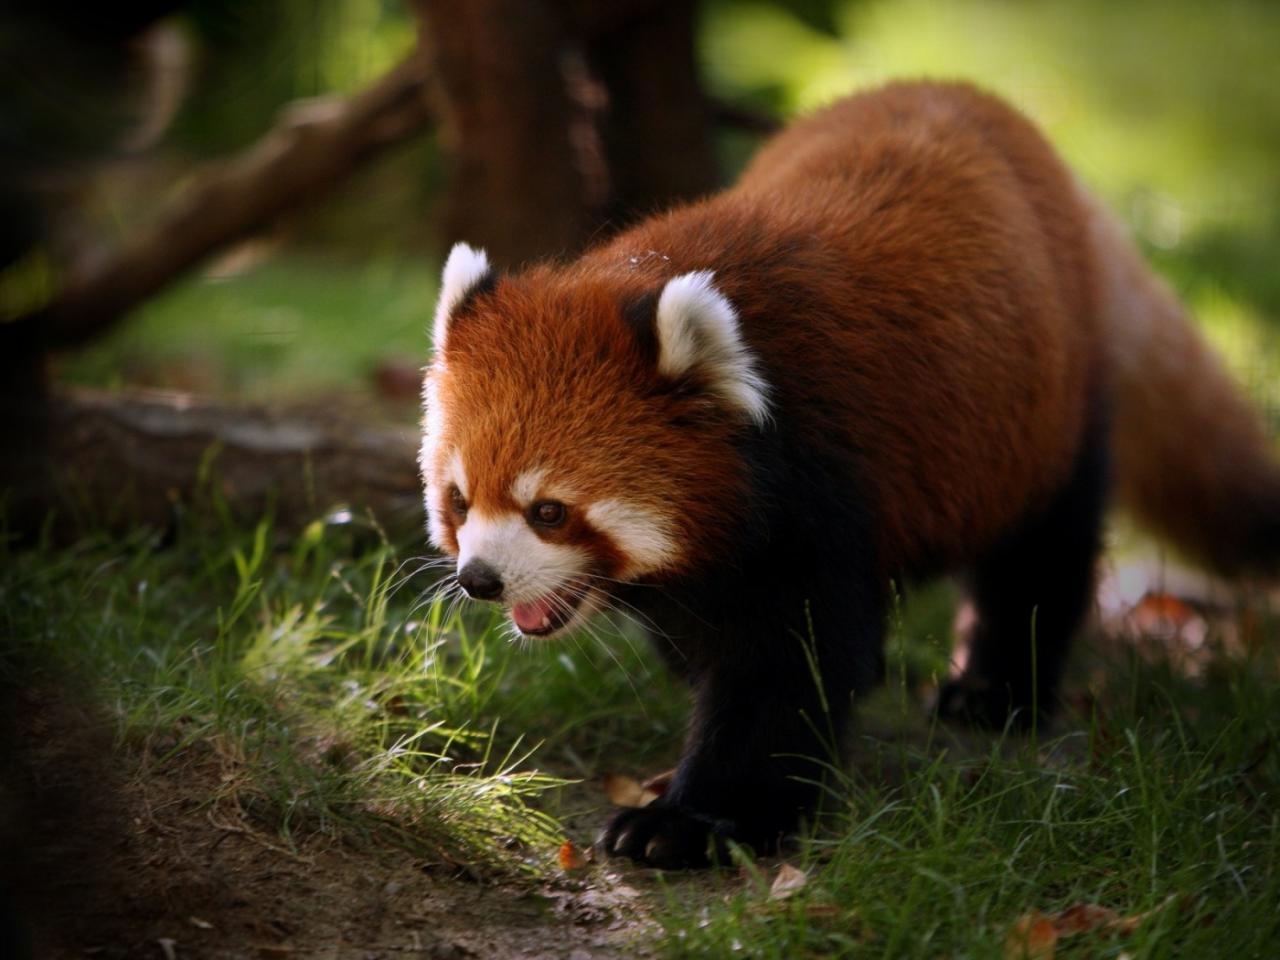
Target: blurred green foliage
x=1169 y=108
x=255 y=57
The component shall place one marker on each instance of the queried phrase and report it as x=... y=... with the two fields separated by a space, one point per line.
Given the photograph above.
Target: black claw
x=667 y=836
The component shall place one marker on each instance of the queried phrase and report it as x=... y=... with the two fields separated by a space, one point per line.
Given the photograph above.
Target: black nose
x=480 y=581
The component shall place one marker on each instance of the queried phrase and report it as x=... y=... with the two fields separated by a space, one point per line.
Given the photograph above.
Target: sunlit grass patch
x=330 y=692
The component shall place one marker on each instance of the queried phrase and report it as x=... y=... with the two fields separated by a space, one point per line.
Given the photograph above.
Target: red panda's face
x=571 y=444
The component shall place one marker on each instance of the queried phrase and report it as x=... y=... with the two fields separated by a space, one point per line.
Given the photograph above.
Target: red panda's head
x=579 y=432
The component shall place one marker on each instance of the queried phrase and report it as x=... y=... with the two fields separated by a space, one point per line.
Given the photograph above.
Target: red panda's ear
x=466 y=271
x=698 y=333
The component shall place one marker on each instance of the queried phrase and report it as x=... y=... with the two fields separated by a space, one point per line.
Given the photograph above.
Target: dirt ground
x=105 y=860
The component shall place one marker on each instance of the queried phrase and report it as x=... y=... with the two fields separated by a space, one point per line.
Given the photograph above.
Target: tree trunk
x=657 y=132
x=563 y=118
x=522 y=175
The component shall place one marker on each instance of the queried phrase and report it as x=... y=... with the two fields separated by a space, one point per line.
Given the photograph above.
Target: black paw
x=668 y=836
x=977 y=703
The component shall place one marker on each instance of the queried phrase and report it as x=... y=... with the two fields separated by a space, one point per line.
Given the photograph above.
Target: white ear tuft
x=465 y=268
x=698 y=330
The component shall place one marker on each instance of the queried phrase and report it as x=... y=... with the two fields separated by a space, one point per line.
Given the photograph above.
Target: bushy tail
x=1192 y=460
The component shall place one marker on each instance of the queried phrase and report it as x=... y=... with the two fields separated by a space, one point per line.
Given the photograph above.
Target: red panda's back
x=910 y=266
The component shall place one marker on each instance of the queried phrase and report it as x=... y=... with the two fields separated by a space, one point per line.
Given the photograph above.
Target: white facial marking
x=456 y=474
x=528 y=566
x=435 y=517
x=525 y=487
x=465 y=268
x=432 y=411
x=643 y=535
x=698 y=328
x=436 y=526
x=533 y=484
x=432 y=426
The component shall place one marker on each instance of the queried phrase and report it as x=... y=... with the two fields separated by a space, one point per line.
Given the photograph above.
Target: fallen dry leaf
x=789 y=880
x=571 y=857
x=1155 y=610
x=1083 y=918
x=1126 y=925
x=822 y=911
x=816 y=912
x=1033 y=937
x=624 y=791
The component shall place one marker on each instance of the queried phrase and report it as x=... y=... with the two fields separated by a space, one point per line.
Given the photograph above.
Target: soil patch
x=115 y=854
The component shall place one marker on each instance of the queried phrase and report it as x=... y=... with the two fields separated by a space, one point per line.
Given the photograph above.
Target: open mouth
x=546 y=614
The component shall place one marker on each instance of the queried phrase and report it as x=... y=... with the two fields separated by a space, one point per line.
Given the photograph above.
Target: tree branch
x=313 y=145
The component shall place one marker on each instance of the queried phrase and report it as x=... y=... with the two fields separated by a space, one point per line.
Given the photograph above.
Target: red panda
x=905 y=343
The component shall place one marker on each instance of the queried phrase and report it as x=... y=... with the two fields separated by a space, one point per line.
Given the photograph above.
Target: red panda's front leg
x=772 y=701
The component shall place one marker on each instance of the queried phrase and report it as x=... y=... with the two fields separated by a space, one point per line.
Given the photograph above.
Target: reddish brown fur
x=890 y=220
x=582 y=401
x=924 y=286
x=946 y=325
x=1193 y=461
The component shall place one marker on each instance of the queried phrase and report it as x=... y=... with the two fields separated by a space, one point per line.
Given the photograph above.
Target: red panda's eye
x=457 y=501
x=547 y=513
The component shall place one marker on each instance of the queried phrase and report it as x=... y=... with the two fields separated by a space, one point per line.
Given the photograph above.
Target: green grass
x=1162 y=797
x=344 y=699
x=343 y=702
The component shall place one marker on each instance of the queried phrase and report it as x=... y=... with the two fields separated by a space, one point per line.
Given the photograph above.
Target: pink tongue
x=529 y=616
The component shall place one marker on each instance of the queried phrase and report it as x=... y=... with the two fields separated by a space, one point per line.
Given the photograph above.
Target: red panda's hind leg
x=1032 y=592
